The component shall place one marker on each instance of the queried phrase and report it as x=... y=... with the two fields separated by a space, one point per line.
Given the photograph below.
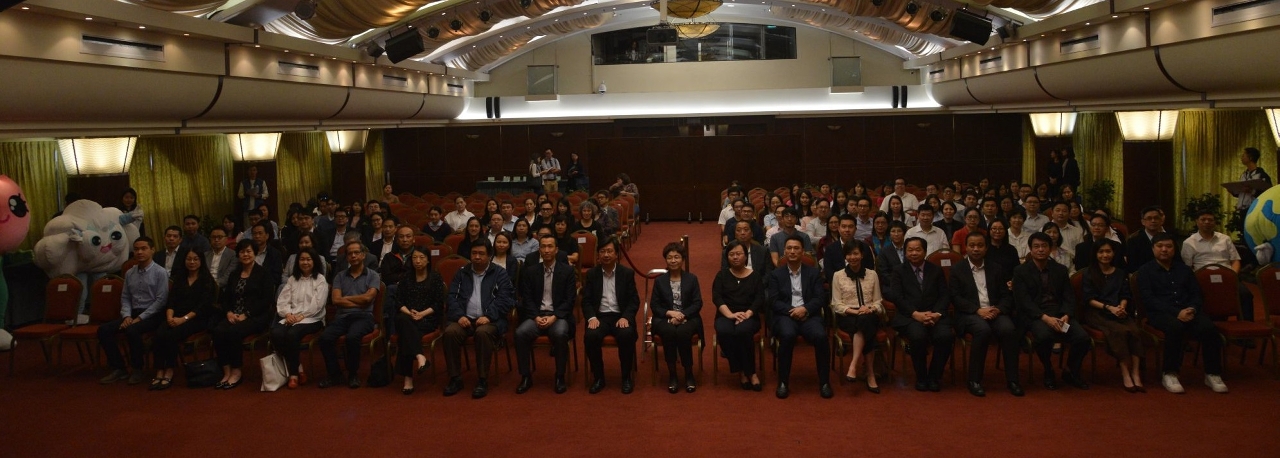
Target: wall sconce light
x=473 y=136
x=557 y=134
x=833 y=127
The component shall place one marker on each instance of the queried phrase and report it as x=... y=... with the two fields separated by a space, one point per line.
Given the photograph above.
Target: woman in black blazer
x=738 y=294
x=676 y=303
x=247 y=306
x=187 y=311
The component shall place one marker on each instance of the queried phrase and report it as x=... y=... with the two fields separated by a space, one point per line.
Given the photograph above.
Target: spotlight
x=433 y=33
x=938 y=15
x=455 y=25
x=913 y=8
x=877 y=2
x=375 y=51
x=485 y=16
x=528 y=3
x=306 y=9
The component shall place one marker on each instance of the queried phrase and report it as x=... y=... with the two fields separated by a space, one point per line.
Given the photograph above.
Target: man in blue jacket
x=480 y=297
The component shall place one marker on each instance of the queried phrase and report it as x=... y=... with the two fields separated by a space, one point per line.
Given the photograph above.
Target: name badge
x=582 y=240
x=1215 y=279
x=62 y=288
x=946 y=263
x=435 y=252
x=106 y=288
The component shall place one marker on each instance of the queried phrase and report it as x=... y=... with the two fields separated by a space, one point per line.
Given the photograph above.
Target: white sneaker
x=1215 y=382
x=1171 y=383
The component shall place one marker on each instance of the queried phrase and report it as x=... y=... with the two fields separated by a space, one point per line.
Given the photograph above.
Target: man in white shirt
x=734 y=194
x=1035 y=220
x=509 y=217
x=340 y=220
x=936 y=238
x=549 y=168
x=909 y=200
x=1208 y=246
x=1071 y=235
x=496 y=221
x=172 y=238
x=817 y=226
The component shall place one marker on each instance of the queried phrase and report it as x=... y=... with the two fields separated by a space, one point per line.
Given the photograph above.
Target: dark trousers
x=865 y=324
x=919 y=337
x=287 y=341
x=228 y=339
x=786 y=330
x=1043 y=337
x=737 y=342
x=1006 y=333
x=1246 y=302
x=677 y=340
x=410 y=334
x=1176 y=333
x=352 y=325
x=455 y=336
x=593 y=341
x=560 y=332
x=168 y=341
x=109 y=335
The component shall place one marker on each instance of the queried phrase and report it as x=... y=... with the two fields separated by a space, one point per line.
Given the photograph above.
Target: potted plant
x=1099 y=194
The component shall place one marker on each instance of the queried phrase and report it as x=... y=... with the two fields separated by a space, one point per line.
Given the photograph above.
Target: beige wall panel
x=1115 y=78
x=36 y=91
x=252 y=101
x=1018 y=86
x=952 y=93
x=1230 y=66
x=39 y=36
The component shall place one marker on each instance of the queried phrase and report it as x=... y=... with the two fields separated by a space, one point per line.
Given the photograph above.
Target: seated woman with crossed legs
x=856 y=302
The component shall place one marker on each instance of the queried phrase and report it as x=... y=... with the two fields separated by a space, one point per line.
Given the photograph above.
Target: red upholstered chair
x=104 y=306
x=1269 y=287
x=1220 y=286
x=454 y=241
x=61 y=304
x=657 y=343
x=422 y=240
x=586 y=252
x=449 y=266
x=124 y=269
x=945 y=258
x=1099 y=339
x=436 y=252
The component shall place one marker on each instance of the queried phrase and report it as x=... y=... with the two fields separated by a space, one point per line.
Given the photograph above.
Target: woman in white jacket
x=300 y=306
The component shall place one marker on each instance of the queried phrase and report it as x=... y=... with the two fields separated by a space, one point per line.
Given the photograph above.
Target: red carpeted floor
x=50 y=413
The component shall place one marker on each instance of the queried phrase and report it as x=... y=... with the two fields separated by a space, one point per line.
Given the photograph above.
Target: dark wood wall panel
x=348 y=177
x=680 y=171
x=1153 y=162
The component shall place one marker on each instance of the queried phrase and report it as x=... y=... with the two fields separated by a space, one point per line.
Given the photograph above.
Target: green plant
x=1099 y=194
x=1207 y=201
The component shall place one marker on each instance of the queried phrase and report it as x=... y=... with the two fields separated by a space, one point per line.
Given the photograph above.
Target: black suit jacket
x=759 y=258
x=833 y=260
x=887 y=261
x=1137 y=250
x=1027 y=288
x=964 y=290
x=624 y=283
x=564 y=284
x=911 y=296
x=778 y=289
x=690 y=296
x=395 y=266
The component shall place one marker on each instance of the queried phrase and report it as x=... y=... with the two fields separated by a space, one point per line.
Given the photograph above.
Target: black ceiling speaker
x=433 y=33
x=528 y=3
x=913 y=8
x=1009 y=30
x=455 y=25
x=404 y=46
x=375 y=51
x=877 y=2
x=485 y=16
x=971 y=27
x=938 y=15
x=306 y=9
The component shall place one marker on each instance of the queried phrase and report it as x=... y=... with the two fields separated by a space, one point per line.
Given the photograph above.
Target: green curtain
x=303 y=167
x=1206 y=152
x=1099 y=148
x=374 y=170
x=34 y=165
x=180 y=175
x=1028 y=151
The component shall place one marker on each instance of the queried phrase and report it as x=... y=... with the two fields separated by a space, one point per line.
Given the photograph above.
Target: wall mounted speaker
x=404 y=46
x=970 y=27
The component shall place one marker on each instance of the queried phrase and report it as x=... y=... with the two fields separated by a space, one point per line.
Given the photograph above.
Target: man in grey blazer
x=219 y=259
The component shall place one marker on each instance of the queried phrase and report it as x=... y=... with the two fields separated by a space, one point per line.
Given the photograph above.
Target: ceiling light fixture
x=938 y=15
x=305 y=9
x=912 y=8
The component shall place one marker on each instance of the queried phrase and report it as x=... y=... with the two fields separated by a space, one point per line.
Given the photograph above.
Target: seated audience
x=300 y=308
x=1043 y=295
x=609 y=305
x=480 y=297
x=1172 y=301
x=353 y=294
x=1107 y=295
x=676 y=301
x=798 y=299
x=189 y=306
x=857 y=304
x=919 y=290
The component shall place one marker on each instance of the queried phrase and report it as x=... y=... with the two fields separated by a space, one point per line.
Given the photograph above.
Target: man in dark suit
x=833 y=257
x=984 y=306
x=1137 y=250
x=1044 y=297
x=758 y=258
x=919 y=289
x=220 y=259
x=892 y=255
x=798 y=299
x=480 y=297
x=321 y=239
x=609 y=306
x=1099 y=228
x=547 y=292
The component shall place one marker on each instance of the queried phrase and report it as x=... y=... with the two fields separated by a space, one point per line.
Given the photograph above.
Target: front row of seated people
x=987 y=301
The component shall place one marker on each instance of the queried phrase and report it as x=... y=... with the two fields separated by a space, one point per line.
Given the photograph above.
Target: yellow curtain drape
x=181 y=175
x=1028 y=151
x=1206 y=153
x=303 y=167
x=1099 y=149
x=374 y=170
x=35 y=167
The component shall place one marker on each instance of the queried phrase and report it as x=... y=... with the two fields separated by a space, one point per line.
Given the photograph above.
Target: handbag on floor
x=274 y=374
x=379 y=373
x=202 y=374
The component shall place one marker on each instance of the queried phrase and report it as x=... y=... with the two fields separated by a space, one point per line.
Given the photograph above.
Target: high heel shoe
x=850 y=379
x=872 y=389
x=407 y=391
x=746 y=385
x=673 y=385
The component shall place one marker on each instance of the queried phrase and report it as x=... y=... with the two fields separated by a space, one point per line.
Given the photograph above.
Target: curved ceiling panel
x=187 y=7
x=247 y=101
x=375 y=105
x=1017 y=86
x=470 y=24
x=491 y=52
x=102 y=94
x=888 y=35
x=1113 y=78
x=1226 y=65
x=952 y=93
x=344 y=18
x=440 y=107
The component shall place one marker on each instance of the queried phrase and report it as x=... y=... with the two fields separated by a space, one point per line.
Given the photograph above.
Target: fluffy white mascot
x=87 y=241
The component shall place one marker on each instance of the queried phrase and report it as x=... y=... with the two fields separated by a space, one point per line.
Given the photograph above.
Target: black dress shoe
x=1016 y=389
x=596 y=386
x=746 y=385
x=628 y=385
x=561 y=386
x=934 y=386
x=673 y=385
x=1075 y=380
x=975 y=389
x=454 y=386
x=407 y=391
x=690 y=384
x=826 y=391
x=481 y=390
x=782 y=392
x=922 y=385
x=1050 y=383
x=757 y=387
x=353 y=382
x=326 y=383
x=526 y=382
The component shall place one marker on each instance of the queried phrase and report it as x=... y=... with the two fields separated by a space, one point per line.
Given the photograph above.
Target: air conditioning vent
x=296 y=69
x=113 y=47
x=454 y=88
x=937 y=74
x=990 y=62
x=395 y=81
x=1245 y=11
x=1079 y=44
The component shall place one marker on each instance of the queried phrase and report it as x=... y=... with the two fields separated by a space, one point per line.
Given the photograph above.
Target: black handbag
x=202 y=374
x=379 y=373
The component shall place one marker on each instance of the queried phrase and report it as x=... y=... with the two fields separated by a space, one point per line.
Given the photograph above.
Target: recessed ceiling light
x=257 y=46
x=88 y=19
x=313 y=55
x=1086 y=23
x=1146 y=7
x=186 y=34
x=286 y=50
x=1113 y=16
x=142 y=27
x=26 y=7
x=1064 y=30
x=993 y=48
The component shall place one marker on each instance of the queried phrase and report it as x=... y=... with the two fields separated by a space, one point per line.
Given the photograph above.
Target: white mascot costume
x=87 y=241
